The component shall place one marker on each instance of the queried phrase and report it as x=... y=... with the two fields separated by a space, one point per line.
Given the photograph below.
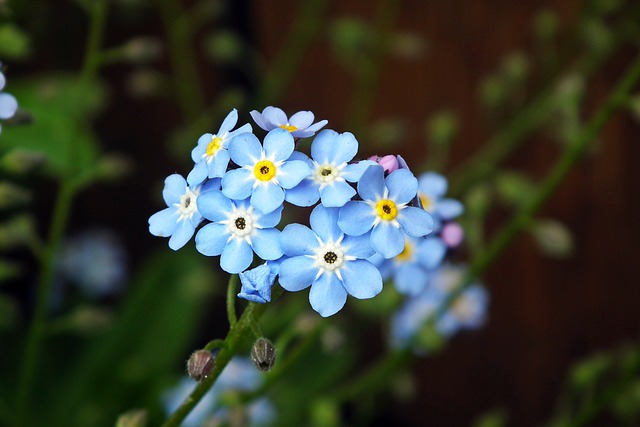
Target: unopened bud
x=133 y=418
x=11 y=195
x=21 y=161
x=143 y=49
x=389 y=162
x=114 y=166
x=263 y=354
x=200 y=364
x=452 y=234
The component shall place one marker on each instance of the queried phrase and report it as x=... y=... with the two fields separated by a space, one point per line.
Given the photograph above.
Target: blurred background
x=486 y=92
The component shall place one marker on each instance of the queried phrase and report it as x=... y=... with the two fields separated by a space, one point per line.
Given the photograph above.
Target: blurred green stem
x=97 y=19
x=231 y=299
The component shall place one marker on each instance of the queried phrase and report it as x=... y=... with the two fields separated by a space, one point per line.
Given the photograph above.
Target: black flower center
x=330 y=257
x=325 y=172
x=264 y=170
x=386 y=209
x=187 y=202
x=240 y=223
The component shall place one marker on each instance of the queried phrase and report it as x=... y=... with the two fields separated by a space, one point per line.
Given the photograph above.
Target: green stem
x=231 y=299
x=212 y=345
x=98 y=18
x=37 y=327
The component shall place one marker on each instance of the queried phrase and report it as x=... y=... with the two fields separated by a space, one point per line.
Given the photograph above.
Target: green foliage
x=14 y=43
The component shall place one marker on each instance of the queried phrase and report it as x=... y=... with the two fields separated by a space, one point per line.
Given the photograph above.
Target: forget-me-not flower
x=237 y=230
x=333 y=264
x=210 y=156
x=257 y=282
x=300 y=124
x=264 y=173
x=8 y=103
x=331 y=151
x=432 y=188
x=181 y=217
x=384 y=211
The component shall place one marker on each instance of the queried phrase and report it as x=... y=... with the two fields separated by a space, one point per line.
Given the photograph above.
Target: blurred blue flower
x=237 y=231
x=257 y=282
x=300 y=124
x=210 y=156
x=180 y=219
x=432 y=188
x=469 y=311
x=385 y=211
x=412 y=317
x=333 y=264
x=264 y=173
x=8 y=103
x=238 y=376
x=331 y=151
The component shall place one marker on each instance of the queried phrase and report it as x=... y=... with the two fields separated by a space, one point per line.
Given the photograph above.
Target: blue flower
x=431 y=190
x=180 y=219
x=385 y=211
x=412 y=317
x=300 y=124
x=210 y=155
x=257 y=282
x=8 y=103
x=469 y=311
x=264 y=173
x=333 y=264
x=236 y=232
x=329 y=171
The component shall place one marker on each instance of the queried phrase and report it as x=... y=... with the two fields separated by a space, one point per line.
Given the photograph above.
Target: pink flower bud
x=388 y=162
x=452 y=234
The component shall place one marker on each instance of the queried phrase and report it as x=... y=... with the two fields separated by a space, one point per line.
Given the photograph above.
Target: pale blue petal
x=449 y=209
x=274 y=117
x=174 y=187
x=8 y=105
x=210 y=185
x=433 y=184
x=3 y=80
x=278 y=144
x=257 y=117
x=201 y=147
x=218 y=165
x=198 y=174
x=245 y=149
x=354 y=171
x=327 y=295
x=356 y=218
x=236 y=256
x=267 y=198
x=214 y=206
x=242 y=129
x=402 y=186
x=297 y=239
x=371 y=184
x=416 y=222
x=211 y=239
x=361 y=279
x=266 y=244
x=297 y=273
x=301 y=119
x=237 y=184
x=229 y=122
x=337 y=194
x=291 y=173
x=163 y=223
x=334 y=148
x=181 y=235
x=431 y=252
x=271 y=219
x=410 y=279
x=358 y=246
x=304 y=194
x=387 y=240
x=324 y=222
x=304 y=133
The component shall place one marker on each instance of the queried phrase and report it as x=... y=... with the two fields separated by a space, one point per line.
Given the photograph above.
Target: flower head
x=181 y=217
x=333 y=264
x=210 y=155
x=237 y=230
x=8 y=103
x=300 y=124
x=389 y=162
x=257 y=282
x=385 y=211
x=265 y=172
x=432 y=188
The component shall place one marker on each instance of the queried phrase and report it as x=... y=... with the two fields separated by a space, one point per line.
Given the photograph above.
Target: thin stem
x=231 y=299
x=98 y=18
x=212 y=345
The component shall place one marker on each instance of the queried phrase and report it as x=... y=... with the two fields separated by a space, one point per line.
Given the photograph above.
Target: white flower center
x=327 y=174
x=330 y=257
x=187 y=205
x=241 y=223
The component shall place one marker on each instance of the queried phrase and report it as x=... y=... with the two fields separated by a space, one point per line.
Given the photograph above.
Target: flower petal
x=416 y=222
x=198 y=174
x=211 y=239
x=358 y=246
x=237 y=184
x=449 y=209
x=354 y=171
x=214 y=206
x=218 y=166
x=324 y=222
x=181 y=235
x=297 y=239
x=291 y=173
x=387 y=240
x=371 y=184
x=304 y=133
x=402 y=186
x=327 y=295
x=245 y=149
x=257 y=117
x=433 y=184
x=278 y=144
x=337 y=194
x=267 y=198
x=410 y=279
x=361 y=279
x=301 y=119
x=274 y=117
x=297 y=273
x=431 y=252
x=229 y=122
x=163 y=223
x=356 y=218
x=271 y=219
x=266 y=244
x=8 y=105
x=304 y=194
x=174 y=187
x=334 y=148
x=201 y=147
x=236 y=256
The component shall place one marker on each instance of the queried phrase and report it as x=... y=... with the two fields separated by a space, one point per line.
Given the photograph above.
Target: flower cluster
x=361 y=210
x=8 y=103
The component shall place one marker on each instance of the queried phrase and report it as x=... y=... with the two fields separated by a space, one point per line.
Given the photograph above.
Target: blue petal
x=291 y=173
x=358 y=246
x=236 y=256
x=257 y=284
x=242 y=129
x=304 y=194
x=8 y=105
x=331 y=147
x=416 y=222
x=266 y=244
x=449 y=209
x=237 y=184
x=174 y=187
x=271 y=219
x=214 y=206
x=303 y=133
x=387 y=240
x=229 y=122
x=257 y=117
x=181 y=235
x=327 y=295
x=201 y=147
x=211 y=239
x=198 y=174
x=337 y=194
x=245 y=149
x=163 y=223
x=433 y=184
x=356 y=218
x=210 y=185
x=371 y=184
x=324 y=222
x=431 y=252
x=252 y=297
x=278 y=144
x=402 y=186
x=297 y=239
x=361 y=279
x=297 y=273
x=267 y=198
x=410 y=279
x=274 y=117
x=301 y=119
x=354 y=171
x=218 y=165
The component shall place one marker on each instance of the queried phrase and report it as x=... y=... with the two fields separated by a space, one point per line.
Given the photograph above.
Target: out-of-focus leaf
x=14 y=43
x=386 y=133
x=493 y=418
x=514 y=188
x=8 y=312
x=553 y=238
x=133 y=418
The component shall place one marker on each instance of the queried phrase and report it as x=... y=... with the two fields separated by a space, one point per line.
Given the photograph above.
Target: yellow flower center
x=425 y=201
x=264 y=170
x=386 y=209
x=406 y=253
x=289 y=128
x=214 y=146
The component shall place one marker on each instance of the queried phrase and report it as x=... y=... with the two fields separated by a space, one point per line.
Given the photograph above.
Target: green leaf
x=14 y=43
